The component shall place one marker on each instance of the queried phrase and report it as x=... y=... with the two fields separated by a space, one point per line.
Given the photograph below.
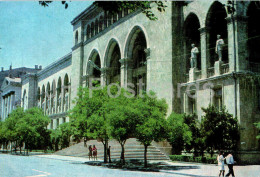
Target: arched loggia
x=135 y=52
x=191 y=36
x=253 y=41
x=113 y=55
x=216 y=24
x=94 y=67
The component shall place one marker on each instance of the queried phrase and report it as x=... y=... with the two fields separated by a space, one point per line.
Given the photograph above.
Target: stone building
x=129 y=48
x=10 y=88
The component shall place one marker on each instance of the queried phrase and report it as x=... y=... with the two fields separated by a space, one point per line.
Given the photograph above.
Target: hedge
x=186 y=158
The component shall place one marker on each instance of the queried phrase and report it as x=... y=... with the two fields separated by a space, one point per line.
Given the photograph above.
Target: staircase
x=133 y=150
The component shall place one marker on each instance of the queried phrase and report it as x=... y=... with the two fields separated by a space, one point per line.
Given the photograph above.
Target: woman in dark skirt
x=94 y=152
x=90 y=152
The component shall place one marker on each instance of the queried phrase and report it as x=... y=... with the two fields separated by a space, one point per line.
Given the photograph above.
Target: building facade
x=129 y=48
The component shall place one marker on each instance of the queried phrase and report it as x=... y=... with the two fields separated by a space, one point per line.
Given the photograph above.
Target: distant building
x=10 y=88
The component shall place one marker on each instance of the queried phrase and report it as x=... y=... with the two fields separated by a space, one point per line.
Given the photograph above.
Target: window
x=217 y=100
x=192 y=103
x=76 y=37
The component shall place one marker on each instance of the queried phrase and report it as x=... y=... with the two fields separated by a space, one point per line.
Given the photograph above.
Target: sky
x=31 y=34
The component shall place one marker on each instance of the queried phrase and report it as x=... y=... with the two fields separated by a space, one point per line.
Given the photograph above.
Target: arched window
x=96 y=27
x=217 y=25
x=101 y=23
x=112 y=58
x=253 y=41
x=135 y=48
x=88 y=32
x=191 y=36
x=92 y=29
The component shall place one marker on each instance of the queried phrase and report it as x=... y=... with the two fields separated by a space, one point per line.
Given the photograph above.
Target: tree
x=66 y=133
x=179 y=133
x=123 y=119
x=88 y=117
x=152 y=127
x=197 y=142
x=12 y=134
x=220 y=130
x=258 y=127
x=32 y=128
x=144 y=6
x=116 y=6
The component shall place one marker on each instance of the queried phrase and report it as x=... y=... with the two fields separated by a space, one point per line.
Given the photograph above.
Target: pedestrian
x=230 y=162
x=221 y=164
x=90 y=152
x=94 y=152
x=108 y=154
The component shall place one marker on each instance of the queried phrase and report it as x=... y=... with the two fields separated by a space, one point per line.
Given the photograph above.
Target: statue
x=194 y=54
x=219 y=47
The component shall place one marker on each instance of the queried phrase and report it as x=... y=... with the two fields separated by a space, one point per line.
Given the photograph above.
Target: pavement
x=186 y=169
x=63 y=166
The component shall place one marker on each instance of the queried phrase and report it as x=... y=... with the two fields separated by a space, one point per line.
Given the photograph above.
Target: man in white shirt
x=230 y=162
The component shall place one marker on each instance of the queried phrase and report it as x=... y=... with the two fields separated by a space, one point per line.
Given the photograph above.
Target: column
x=4 y=108
x=2 y=113
x=8 y=105
x=11 y=103
x=62 y=98
x=104 y=75
x=237 y=43
x=45 y=100
x=56 y=101
x=123 y=72
x=203 y=46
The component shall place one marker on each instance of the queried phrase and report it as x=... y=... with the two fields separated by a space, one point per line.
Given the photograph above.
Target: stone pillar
x=123 y=72
x=11 y=102
x=203 y=46
x=45 y=100
x=55 y=123
x=237 y=33
x=104 y=75
x=217 y=68
x=56 y=101
x=8 y=105
x=4 y=109
x=192 y=74
x=2 y=113
x=62 y=99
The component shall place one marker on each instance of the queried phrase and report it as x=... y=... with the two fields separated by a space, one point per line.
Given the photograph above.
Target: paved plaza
x=66 y=166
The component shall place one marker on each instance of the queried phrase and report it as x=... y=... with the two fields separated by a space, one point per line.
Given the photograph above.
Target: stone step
x=133 y=150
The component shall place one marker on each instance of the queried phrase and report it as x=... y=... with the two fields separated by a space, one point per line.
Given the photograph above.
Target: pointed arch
x=95 y=58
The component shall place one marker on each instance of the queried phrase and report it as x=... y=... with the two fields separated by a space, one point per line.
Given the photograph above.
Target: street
x=65 y=166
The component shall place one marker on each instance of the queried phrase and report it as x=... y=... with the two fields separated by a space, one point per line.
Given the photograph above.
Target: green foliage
x=220 y=130
x=27 y=127
x=258 y=127
x=145 y=6
x=179 y=133
x=152 y=125
x=186 y=158
x=197 y=143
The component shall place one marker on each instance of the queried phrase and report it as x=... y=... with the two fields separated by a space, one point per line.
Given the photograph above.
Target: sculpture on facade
x=194 y=56
x=219 y=47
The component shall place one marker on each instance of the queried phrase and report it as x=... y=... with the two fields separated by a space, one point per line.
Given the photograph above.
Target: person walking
x=94 y=152
x=221 y=163
x=230 y=162
x=90 y=152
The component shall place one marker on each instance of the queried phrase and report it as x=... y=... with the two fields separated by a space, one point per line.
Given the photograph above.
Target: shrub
x=186 y=158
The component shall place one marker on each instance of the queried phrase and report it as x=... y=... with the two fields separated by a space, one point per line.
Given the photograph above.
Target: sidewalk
x=186 y=169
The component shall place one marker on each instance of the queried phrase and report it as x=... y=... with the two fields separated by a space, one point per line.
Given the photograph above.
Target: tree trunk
x=105 y=150
x=122 y=158
x=145 y=156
